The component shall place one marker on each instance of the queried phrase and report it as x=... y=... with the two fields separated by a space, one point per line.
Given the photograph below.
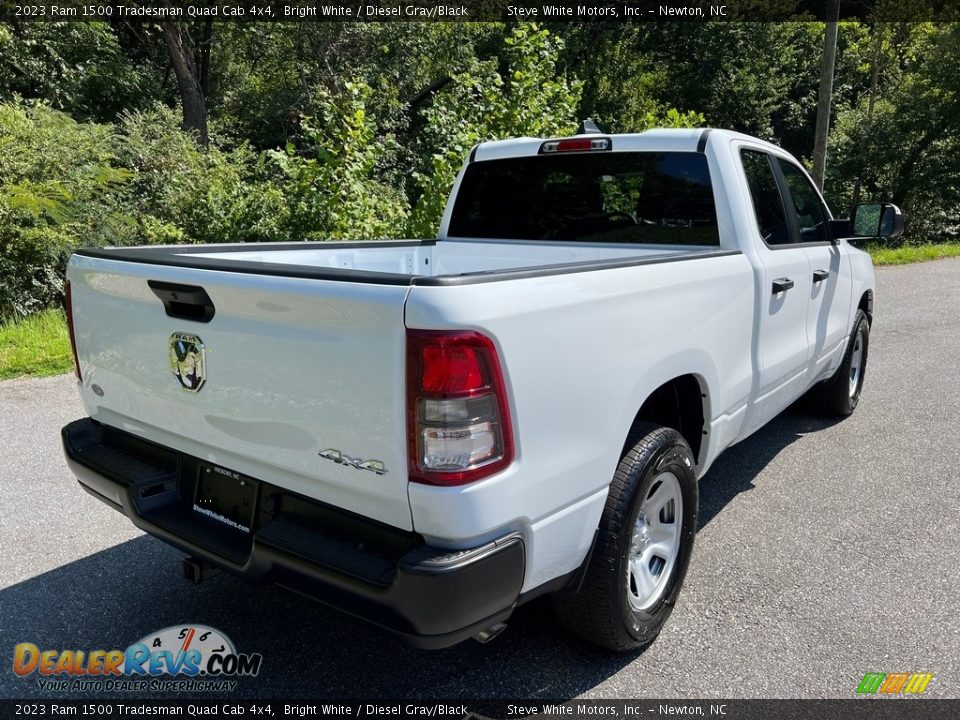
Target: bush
x=65 y=184
x=79 y=67
x=528 y=98
x=58 y=188
x=185 y=193
x=334 y=189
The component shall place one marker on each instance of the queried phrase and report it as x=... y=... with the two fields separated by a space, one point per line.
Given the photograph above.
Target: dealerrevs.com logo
x=180 y=658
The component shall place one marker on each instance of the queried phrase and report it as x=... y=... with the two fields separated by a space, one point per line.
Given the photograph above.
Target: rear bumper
x=430 y=597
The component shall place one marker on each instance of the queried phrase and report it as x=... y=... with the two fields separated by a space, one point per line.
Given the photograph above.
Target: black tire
x=834 y=397
x=600 y=612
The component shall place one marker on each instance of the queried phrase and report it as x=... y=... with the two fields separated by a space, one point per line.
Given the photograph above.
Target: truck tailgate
x=302 y=380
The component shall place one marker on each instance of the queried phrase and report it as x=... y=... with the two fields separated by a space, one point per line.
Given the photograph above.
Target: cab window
x=768 y=205
x=628 y=197
x=805 y=205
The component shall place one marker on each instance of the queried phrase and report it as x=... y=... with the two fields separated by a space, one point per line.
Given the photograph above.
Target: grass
x=37 y=346
x=912 y=253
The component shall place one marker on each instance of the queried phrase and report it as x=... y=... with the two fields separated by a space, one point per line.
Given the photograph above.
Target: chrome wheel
x=856 y=362
x=655 y=542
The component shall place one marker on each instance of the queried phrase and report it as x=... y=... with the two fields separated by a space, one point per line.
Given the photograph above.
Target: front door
x=784 y=349
x=831 y=287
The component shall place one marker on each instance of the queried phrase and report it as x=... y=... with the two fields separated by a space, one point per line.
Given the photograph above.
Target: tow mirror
x=876 y=220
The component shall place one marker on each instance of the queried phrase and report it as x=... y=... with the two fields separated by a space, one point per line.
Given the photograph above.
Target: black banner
x=474 y=10
x=854 y=709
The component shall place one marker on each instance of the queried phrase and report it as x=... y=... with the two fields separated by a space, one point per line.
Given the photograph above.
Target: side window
x=767 y=203
x=805 y=202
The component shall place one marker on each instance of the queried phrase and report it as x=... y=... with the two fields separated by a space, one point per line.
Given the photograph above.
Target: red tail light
x=68 y=310
x=458 y=419
x=446 y=368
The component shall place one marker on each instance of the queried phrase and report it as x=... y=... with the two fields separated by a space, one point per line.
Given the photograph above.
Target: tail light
x=68 y=310
x=458 y=419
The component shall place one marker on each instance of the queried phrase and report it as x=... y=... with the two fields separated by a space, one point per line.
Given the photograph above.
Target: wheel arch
x=866 y=304
x=681 y=402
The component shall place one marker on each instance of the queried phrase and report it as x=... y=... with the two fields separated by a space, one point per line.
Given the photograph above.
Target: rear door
x=784 y=349
x=296 y=381
x=831 y=287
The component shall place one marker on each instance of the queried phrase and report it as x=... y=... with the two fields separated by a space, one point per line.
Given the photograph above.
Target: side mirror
x=876 y=220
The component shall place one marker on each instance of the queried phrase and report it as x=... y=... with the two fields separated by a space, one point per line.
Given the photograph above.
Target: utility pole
x=826 y=93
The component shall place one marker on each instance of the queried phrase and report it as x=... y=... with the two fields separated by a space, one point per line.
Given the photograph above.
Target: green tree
x=528 y=96
x=80 y=68
x=59 y=181
x=335 y=192
x=902 y=141
x=622 y=80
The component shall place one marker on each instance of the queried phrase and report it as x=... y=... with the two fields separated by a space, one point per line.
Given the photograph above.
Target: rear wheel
x=839 y=395
x=643 y=545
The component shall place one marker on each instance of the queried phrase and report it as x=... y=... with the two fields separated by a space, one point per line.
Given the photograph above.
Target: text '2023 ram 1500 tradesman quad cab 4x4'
x=427 y=433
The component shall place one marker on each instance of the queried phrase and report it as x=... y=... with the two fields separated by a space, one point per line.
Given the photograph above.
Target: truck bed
x=426 y=262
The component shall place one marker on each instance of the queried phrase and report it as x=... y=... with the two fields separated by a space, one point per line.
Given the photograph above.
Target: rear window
x=636 y=197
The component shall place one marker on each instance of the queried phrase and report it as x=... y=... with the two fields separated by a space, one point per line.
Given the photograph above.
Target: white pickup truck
x=426 y=434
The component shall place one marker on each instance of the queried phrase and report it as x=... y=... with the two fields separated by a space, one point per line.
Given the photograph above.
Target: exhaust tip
x=490 y=633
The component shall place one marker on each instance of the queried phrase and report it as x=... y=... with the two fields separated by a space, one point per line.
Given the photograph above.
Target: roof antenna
x=589 y=127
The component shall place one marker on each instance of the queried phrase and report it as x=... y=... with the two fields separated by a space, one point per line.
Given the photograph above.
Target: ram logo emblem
x=374 y=466
x=188 y=361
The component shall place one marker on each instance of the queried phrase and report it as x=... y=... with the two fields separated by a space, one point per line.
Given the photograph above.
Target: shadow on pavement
x=113 y=598
x=736 y=469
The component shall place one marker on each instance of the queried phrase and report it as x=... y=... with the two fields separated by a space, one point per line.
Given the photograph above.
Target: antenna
x=589 y=127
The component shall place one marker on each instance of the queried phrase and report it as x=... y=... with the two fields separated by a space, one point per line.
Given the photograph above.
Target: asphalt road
x=826 y=550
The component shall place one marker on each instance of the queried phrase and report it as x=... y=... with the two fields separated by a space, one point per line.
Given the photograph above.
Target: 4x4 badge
x=188 y=361
x=374 y=466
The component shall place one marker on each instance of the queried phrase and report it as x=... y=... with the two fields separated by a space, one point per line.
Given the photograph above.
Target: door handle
x=185 y=302
x=820 y=275
x=782 y=285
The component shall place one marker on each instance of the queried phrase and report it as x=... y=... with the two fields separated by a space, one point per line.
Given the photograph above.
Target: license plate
x=226 y=496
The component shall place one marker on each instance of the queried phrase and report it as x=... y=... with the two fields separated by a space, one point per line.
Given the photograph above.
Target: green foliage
x=64 y=184
x=334 y=192
x=735 y=74
x=78 y=67
x=623 y=84
x=58 y=186
x=908 y=148
x=528 y=97
x=185 y=193
x=330 y=130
